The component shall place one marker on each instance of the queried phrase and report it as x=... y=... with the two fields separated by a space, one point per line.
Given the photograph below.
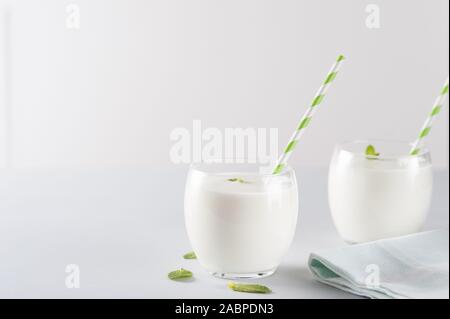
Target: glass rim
x=424 y=152
x=197 y=167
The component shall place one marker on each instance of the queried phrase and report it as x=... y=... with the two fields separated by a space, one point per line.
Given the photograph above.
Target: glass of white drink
x=378 y=196
x=240 y=222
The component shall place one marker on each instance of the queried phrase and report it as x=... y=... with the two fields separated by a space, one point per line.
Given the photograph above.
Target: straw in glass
x=306 y=119
x=426 y=128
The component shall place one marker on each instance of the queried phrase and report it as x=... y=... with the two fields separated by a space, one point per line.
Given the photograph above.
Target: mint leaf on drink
x=370 y=151
x=190 y=255
x=179 y=274
x=238 y=180
x=250 y=288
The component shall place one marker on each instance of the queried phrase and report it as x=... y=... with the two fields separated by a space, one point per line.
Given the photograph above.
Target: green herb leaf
x=179 y=274
x=370 y=151
x=239 y=180
x=190 y=255
x=251 y=288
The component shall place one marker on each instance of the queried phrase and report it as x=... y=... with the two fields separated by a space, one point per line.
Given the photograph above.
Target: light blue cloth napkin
x=413 y=266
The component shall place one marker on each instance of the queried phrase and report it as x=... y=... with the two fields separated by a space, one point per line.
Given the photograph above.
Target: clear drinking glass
x=378 y=197
x=240 y=222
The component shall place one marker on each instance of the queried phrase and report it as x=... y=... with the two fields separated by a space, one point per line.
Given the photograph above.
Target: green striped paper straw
x=306 y=119
x=426 y=128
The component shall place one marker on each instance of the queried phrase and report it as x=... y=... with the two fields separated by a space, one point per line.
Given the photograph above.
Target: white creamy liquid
x=240 y=228
x=374 y=199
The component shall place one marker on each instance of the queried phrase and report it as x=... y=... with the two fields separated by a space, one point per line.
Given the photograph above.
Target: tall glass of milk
x=378 y=197
x=240 y=222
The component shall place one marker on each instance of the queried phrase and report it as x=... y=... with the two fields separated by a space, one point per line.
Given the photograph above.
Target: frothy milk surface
x=240 y=227
x=374 y=199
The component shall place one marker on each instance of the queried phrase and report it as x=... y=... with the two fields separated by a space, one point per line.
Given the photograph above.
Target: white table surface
x=125 y=230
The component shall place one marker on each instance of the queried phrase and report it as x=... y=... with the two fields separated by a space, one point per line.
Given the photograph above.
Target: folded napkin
x=413 y=266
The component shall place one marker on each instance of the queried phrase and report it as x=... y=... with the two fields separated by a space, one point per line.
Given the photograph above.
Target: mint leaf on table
x=249 y=288
x=179 y=274
x=190 y=255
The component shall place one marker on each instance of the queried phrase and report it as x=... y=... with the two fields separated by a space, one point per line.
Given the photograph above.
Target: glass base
x=255 y=275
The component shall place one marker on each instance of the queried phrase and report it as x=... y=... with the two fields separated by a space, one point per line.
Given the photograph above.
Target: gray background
x=85 y=119
x=110 y=93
